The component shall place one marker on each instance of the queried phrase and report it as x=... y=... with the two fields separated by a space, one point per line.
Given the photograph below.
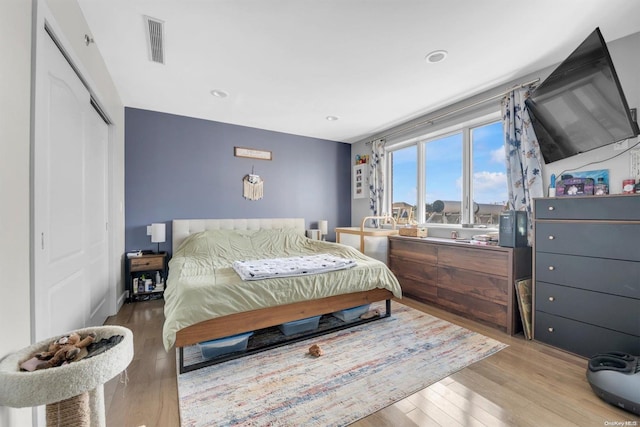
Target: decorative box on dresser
x=587 y=273
x=471 y=280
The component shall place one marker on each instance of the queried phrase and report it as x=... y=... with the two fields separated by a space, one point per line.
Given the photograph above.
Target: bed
x=206 y=299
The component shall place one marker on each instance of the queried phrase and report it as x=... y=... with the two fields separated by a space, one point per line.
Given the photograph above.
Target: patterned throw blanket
x=293 y=266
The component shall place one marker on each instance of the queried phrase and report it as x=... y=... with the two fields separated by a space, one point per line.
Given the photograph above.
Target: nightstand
x=146 y=276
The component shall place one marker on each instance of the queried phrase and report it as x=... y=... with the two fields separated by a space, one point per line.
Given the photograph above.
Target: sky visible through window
x=489 y=165
x=444 y=168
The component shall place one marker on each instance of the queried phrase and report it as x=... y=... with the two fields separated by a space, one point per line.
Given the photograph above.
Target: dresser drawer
x=417 y=251
x=581 y=338
x=417 y=279
x=147 y=263
x=419 y=290
x=404 y=267
x=596 y=274
x=476 y=259
x=475 y=308
x=610 y=240
x=585 y=208
x=609 y=311
x=480 y=285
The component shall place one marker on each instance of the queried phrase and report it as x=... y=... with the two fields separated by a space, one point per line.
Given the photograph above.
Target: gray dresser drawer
x=594 y=239
x=581 y=338
x=596 y=274
x=609 y=311
x=623 y=207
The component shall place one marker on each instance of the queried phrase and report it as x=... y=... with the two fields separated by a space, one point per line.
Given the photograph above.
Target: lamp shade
x=158 y=232
x=323 y=225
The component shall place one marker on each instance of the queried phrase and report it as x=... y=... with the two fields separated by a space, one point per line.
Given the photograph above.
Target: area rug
x=363 y=369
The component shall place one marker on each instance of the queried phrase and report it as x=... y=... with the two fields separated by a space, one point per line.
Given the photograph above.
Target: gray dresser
x=587 y=273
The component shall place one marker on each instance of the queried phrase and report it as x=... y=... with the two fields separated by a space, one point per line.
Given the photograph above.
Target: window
x=452 y=177
x=489 y=184
x=443 y=179
x=404 y=172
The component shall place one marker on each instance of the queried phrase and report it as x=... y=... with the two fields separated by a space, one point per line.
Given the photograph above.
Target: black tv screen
x=581 y=106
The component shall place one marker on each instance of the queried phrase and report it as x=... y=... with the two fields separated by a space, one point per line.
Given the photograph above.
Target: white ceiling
x=288 y=64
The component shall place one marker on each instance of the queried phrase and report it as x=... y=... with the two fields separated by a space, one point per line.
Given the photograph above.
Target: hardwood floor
x=526 y=384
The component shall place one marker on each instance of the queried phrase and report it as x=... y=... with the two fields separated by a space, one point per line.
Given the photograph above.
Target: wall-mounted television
x=581 y=106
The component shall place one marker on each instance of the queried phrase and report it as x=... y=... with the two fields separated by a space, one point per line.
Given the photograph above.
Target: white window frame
x=467 y=165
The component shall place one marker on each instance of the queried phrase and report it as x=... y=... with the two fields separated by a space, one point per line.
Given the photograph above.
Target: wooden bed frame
x=233 y=324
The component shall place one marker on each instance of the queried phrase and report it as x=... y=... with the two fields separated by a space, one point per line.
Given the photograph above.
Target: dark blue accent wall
x=181 y=167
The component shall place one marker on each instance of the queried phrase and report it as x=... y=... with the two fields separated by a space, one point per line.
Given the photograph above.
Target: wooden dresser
x=587 y=273
x=473 y=281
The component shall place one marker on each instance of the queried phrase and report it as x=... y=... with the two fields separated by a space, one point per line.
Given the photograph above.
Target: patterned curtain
x=377 y=164
x=523 y=156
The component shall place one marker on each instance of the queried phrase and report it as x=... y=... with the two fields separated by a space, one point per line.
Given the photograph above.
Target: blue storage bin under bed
x=220 y=346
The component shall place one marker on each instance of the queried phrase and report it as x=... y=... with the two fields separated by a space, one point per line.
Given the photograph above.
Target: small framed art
x=252 y=153
x=360 y=181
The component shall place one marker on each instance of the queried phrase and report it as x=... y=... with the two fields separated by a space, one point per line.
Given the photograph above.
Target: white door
x=96 y=187
x=70 y=237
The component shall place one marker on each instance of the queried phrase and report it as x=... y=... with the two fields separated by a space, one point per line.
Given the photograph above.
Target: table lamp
x=158 y=233
x=323 y=225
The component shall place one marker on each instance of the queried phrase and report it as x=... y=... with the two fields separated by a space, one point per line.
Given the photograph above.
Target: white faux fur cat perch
x=20 y=389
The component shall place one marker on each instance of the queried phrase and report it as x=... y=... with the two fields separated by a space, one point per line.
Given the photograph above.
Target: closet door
x=70 y=236
x=96 y=213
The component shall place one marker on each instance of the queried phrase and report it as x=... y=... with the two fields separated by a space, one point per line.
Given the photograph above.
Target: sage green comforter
x=202 y=284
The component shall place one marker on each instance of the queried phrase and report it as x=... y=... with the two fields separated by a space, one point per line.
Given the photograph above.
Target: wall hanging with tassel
x=252 y=186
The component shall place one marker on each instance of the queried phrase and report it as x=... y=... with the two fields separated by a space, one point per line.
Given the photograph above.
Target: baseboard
x=121 y=300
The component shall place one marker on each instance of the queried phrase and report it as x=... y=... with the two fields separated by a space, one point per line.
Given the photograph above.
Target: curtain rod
x=457 y=110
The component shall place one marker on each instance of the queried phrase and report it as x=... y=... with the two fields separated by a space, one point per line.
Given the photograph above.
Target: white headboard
x=182 y=228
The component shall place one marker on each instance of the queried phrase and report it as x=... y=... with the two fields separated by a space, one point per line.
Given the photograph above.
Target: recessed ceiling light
x=219 y=93
x=436 y=56
x=332 y=118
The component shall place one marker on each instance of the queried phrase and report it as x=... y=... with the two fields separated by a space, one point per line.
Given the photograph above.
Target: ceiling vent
x=155 y=39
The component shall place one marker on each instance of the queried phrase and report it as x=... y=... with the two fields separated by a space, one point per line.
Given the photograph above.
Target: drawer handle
x=551 y=208
x=551 y=237
x=550 y=329
x=552 y=299
x=551 y=268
